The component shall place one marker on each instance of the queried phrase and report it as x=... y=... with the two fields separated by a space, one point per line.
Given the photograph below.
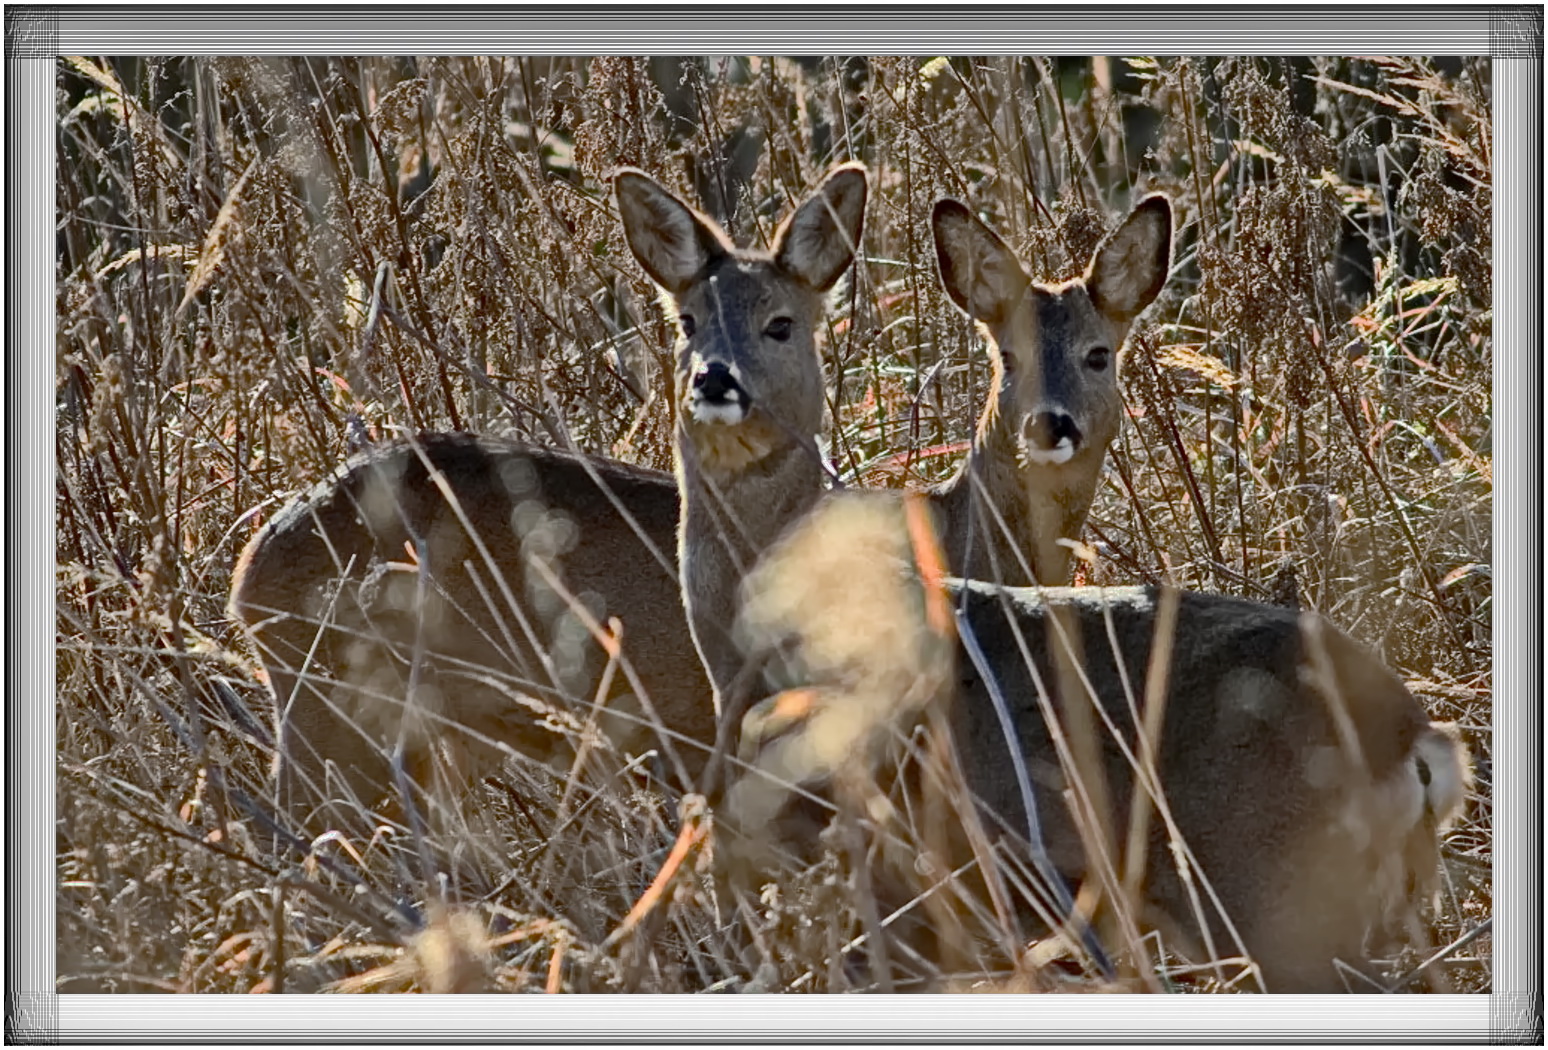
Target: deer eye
x=685 y=321
x=779 y=329
x=1097 y=360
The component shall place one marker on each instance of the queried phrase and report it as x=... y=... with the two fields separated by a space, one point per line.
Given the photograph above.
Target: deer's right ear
x=673 y=242
x=978 y=270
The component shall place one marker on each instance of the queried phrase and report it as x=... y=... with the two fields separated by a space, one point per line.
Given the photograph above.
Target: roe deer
x=747 y=383
x=400 y=603
x=1306 y=784
x=1054 y=406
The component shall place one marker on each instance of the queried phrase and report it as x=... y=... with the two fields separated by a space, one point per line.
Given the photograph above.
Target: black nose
x=1048 y=429
x=714 y=381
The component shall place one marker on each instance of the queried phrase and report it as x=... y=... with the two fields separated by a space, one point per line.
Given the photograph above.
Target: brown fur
x=726 y=452
x=331 y=584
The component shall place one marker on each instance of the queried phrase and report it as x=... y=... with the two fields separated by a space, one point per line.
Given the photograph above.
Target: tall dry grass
x=263 y=264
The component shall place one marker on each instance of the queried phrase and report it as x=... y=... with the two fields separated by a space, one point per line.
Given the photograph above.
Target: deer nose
x=1051 y=430
x=713 y=381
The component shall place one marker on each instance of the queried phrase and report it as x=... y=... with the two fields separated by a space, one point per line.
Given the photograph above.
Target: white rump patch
x=1447 y=766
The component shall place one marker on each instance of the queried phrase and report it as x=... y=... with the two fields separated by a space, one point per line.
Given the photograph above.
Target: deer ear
x=978 y=270
x=820 y=239
x=672 y=242
x=1129 y=267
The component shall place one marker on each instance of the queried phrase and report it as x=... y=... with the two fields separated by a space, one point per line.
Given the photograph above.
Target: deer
x=1309 y=783
x=449 y=595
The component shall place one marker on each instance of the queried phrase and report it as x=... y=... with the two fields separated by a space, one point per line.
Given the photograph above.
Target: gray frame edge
x=612 y=28
x=31 y=1006
x=1517 y=1007
x=31 y=1003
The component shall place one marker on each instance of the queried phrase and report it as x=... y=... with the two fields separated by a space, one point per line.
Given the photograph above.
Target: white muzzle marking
x=728 y=413
x=1063 y=452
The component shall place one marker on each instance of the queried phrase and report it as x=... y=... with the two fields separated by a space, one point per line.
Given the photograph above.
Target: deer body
x=1310 y=841
x=1306 y=783
x=389 y=609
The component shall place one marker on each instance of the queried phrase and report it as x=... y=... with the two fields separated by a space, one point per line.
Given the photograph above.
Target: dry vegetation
x=264 y=263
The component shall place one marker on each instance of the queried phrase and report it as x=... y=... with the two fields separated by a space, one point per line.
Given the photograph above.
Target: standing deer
x=421 y=599
x=1306 y=781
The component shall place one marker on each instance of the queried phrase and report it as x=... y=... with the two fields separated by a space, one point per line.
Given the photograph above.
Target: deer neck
x=733 y=509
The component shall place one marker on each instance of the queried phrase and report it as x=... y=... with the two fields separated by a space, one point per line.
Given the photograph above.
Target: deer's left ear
x=1129 y=268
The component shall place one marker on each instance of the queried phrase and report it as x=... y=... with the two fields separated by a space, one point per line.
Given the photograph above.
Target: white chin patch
x=729 y=413
x=1063 y=452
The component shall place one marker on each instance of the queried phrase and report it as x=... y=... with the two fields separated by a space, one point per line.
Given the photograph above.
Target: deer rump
x=1284 y=758
x=375 y=580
